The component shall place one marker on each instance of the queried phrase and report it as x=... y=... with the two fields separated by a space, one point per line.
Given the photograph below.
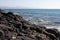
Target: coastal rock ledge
x=14 y=27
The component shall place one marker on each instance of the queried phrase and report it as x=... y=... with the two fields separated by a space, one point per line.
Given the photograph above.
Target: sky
x=34 y=4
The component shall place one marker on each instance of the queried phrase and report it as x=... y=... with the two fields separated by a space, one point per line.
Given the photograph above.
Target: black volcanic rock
x=14 y=27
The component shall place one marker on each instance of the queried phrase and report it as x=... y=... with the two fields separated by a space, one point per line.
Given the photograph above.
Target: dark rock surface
x=14 y=27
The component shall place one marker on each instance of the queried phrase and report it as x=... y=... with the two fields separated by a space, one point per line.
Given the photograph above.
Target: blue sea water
x=47 y=14
x=51 y=15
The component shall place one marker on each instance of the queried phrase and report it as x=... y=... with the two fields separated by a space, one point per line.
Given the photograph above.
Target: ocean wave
x=38 y=21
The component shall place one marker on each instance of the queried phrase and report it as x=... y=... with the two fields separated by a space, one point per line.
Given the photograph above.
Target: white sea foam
x=37 y=20
x=56 y=27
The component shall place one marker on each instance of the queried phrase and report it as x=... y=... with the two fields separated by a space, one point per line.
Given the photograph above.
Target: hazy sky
x=31 y=4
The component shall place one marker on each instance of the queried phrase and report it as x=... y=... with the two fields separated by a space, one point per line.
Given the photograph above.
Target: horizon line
x=24 y=8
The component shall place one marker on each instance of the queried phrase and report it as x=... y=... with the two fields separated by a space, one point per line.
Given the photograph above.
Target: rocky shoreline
x=14 y=27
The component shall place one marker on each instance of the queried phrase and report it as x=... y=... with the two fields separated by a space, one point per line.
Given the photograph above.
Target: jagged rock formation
x=14 y=27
